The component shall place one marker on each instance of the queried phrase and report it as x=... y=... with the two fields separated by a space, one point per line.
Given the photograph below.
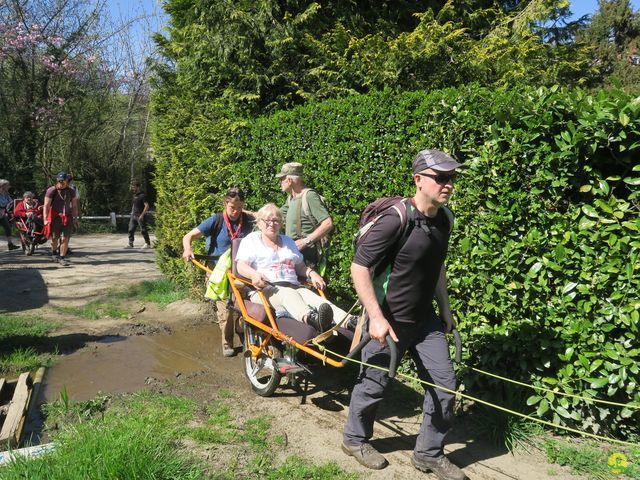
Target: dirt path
x=178 y=350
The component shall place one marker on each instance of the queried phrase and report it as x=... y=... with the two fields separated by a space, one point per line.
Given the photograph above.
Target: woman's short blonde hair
x=268 y=210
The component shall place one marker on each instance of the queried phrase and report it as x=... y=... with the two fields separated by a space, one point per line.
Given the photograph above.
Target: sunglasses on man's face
x=441 y=178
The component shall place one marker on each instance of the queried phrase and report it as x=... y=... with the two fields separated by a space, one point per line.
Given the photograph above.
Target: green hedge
x=544 y=260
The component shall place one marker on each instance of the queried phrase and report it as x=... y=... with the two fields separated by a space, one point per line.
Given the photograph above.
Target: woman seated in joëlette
x=273 y=264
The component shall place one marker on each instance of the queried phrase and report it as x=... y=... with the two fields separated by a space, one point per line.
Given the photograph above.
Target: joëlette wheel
x=262 y=370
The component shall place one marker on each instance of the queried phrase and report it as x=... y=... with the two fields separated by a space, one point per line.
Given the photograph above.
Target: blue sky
x=140 y=18
x=582 y=7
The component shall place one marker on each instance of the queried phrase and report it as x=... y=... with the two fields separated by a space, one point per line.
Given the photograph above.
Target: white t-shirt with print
x=277 y=265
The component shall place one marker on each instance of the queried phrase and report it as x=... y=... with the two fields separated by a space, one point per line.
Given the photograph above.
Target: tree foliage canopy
x=614 y=37
x=274 y=54
x=65 y=104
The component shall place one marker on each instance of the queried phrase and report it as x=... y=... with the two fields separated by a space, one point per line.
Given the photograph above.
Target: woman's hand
x=188 y=255
x=258 y=280
x=316 y=280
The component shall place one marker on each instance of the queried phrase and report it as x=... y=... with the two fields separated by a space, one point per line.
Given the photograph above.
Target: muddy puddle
x=120 y=364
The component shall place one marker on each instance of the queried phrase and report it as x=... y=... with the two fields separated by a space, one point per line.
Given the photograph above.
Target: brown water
x=125 y=364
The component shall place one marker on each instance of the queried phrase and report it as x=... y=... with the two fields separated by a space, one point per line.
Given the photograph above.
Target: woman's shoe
x=321 y=318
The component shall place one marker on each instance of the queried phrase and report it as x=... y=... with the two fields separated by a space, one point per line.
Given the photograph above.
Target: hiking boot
x=55 y=258
x=129 y=246
x=321 y=318
x=366 y=455
x=440 y=466
x=145 y=246
x=12 y=246
x=63 y=261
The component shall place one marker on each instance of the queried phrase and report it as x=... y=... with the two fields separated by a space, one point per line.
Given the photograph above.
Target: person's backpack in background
x=303 y=207
x=322 y=245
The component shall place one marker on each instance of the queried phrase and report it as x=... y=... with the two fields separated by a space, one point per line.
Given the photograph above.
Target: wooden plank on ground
x=17 y=409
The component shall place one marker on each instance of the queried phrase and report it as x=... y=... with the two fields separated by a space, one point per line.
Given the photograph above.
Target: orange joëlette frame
x=272 y=330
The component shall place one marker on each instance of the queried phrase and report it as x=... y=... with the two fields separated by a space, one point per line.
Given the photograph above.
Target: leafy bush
x=544 y=258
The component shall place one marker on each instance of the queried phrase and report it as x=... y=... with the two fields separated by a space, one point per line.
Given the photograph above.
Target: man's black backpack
x=376 y=209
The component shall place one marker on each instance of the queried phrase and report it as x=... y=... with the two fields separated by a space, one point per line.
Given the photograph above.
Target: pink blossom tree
x=73 y=95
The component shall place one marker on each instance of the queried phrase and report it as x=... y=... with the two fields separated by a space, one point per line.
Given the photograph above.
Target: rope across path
x=544 y=389
x=483 y=402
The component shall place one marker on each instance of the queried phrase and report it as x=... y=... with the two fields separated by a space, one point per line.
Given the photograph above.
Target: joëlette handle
x=393 y=352
x=456 y=338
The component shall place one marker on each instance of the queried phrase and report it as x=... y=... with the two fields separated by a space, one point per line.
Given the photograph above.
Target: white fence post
x=113 y=219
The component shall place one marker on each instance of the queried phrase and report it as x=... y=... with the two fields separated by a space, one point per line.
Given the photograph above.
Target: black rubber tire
x=262 y=371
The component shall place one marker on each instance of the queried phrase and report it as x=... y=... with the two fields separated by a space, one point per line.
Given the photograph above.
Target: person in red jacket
x=60 y=216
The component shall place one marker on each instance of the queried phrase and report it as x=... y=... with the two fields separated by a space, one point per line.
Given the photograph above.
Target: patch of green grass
x=22 y=360
x=136 y=438
x=585 y=459
x=295 y=468
x=162 y=291
x=20 y=337
x=63 y=410
x=256 y=433
x=220 y=427
x=211 y=435
x=95 y=310
x=504 y=429
x=24 y=326
x=633 y=469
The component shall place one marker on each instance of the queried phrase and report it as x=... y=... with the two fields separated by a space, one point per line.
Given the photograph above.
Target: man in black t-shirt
x=138 y=211
x=399 y=303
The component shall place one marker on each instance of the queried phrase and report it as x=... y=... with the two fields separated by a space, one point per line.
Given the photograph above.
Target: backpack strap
x=303 y=206
x=449 y=215
x=403 y=209
x=306 y=209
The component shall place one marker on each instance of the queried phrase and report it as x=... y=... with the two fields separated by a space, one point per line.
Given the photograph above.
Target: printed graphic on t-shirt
x=282 y=270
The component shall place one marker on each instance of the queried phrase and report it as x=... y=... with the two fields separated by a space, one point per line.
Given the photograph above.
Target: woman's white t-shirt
x=277 y=265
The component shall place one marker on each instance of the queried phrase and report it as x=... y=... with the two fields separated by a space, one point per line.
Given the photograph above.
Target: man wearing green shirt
x=307 y=220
